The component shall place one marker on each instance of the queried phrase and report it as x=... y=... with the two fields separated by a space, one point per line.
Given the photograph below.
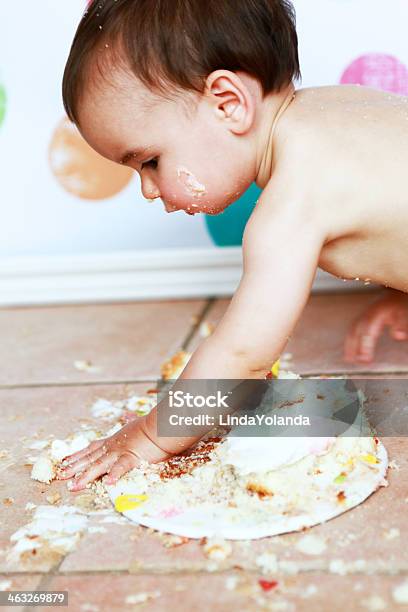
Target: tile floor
x=364 y=564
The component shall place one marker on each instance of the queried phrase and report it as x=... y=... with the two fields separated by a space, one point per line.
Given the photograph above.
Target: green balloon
x=2 y=103
x=227 y=228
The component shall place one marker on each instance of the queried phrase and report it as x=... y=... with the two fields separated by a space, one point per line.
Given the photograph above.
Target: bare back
x=348 y=148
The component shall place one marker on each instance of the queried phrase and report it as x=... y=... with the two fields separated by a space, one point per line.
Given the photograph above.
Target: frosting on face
x=250 y=454
x=190 y=182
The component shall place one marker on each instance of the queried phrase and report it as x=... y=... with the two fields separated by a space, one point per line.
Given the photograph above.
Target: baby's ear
x=231 y=99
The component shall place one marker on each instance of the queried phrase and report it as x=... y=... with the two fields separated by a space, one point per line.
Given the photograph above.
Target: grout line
x=189 y=572
x=207 y=307
x=357 y=373
x=45 y=580
x=80 y=384
x=184 y=345
x=150 y=381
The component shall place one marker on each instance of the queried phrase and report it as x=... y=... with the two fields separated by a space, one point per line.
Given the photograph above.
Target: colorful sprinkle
x=341 y=496
x=170 y=512
x=369 y=458
x=340 y=478
x=275 y=369
x=267 y=585
x=129 y=502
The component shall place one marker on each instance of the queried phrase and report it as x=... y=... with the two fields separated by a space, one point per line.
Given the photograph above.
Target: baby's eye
x=152 y=163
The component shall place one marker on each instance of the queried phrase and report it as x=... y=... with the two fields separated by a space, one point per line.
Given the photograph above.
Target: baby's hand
x=362 y=338
x=113 y=456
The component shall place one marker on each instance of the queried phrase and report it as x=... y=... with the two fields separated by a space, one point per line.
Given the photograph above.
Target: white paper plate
x=212 y=519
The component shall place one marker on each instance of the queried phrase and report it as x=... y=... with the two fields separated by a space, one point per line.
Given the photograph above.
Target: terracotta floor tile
x=124 y=341
x=127 y=547
x=378 y=526
x=31 y=414
x=233 y=590
x=19 y=582
x=317 y=342
x=373 y=532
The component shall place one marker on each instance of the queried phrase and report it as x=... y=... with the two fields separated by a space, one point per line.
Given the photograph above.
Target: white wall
x=40 y=218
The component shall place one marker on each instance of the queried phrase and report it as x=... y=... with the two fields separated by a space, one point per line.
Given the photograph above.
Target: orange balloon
x=80 y=170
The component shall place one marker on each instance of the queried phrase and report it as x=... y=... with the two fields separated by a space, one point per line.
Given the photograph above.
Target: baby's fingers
x=80 y=464
x=93 y=446
x=97 y=468
x=124 y=464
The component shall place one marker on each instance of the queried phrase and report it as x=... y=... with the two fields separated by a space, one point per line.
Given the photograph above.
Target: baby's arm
x=280 y=261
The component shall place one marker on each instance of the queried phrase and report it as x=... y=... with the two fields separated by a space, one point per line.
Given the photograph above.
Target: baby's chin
x=203 y=208
x=218 y=207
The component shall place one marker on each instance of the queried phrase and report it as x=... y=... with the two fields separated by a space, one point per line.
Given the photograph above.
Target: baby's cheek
x=191 y=185
x=184 y=190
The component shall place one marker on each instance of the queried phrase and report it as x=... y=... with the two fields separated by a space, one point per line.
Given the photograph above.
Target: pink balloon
x=377 y=70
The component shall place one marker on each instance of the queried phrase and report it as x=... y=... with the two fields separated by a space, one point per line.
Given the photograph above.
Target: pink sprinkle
x=170 y=512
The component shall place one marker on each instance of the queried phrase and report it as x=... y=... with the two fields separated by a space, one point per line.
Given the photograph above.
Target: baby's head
x=173 y=88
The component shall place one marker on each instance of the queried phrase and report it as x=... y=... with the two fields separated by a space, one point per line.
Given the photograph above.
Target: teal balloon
x=227 y=228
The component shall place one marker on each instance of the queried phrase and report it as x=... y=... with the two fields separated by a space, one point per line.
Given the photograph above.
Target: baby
x=198 y=98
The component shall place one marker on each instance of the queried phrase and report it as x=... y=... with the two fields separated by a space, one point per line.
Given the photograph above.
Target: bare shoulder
x=282 y=220
x=335 y=141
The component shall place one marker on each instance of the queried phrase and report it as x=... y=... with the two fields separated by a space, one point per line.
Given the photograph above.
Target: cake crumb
x=5 y=585
x=231 y=583
x=309 y=591
x=172 y=541
x=217 y=549
x=391 y=534
x=53 y=499
x=140 y=598
x=375 y=603
x=267 y=562
x=311 y=545
x=43 y=470
x=400 y=593
x=85 y=366
x=172 y=368
x=206 y=329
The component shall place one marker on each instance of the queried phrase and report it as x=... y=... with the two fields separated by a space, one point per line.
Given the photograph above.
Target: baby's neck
x=272 y=108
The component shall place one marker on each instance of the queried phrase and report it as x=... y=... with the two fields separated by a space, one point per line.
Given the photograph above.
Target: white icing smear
x=251 y=454
x=190 y=182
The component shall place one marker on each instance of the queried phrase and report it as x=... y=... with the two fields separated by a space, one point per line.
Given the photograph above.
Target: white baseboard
x=124 y=276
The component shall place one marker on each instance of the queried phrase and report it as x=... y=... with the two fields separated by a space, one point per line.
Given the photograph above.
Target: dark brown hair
x=178 y=43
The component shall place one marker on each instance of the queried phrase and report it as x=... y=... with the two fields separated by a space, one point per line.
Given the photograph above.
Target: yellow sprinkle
x=369 y=458
x=275 y=368
x=129 y=502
